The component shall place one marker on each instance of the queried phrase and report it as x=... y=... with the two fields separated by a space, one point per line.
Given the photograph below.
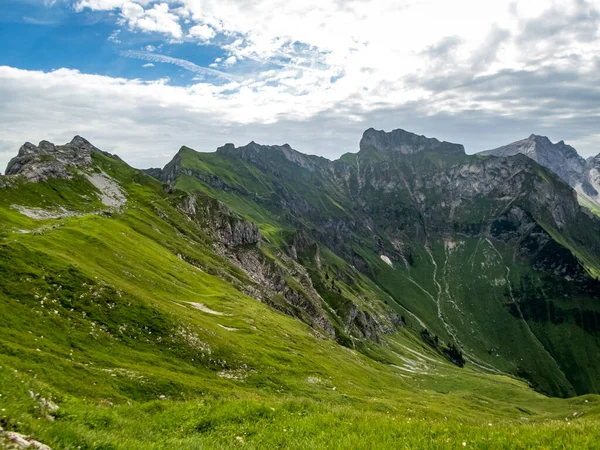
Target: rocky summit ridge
x=563 y=160
x=46 y=160
x=404 y=142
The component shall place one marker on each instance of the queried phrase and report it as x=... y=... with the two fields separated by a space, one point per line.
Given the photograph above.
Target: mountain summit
x=404 y=142
x=563 y=160
x=46 y=160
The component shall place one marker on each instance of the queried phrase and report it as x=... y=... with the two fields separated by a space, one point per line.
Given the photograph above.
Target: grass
x=96 y=315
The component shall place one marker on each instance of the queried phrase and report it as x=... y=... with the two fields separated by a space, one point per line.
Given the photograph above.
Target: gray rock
x=562 y=159
x=22 y=441
x=46 y=161
x=404 y=142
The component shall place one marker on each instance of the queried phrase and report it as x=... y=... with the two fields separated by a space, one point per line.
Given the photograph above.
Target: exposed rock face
x=154 y=172
x=256 y=153
x=304 y=303
x=230 y=229
x=562 y=159
x=592 y=167
x=50 y=161
x=235 y=239
x=458 y=186
x=404 y=142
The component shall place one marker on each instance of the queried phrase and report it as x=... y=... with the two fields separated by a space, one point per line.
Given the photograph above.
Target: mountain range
x=193 y=295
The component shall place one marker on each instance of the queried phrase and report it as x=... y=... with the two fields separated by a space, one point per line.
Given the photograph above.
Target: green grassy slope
x=100 y=313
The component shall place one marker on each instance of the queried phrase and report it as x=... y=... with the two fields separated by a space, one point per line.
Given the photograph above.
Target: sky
x=141 y=78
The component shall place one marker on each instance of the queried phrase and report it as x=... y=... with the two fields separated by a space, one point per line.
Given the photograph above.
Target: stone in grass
x=49 y=405
x=22 y=441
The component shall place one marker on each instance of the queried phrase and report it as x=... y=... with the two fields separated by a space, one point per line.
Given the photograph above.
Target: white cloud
x=159 y=19
x=188 y=65
x=150 y=48
x=147 y=65
x=132 y=11
x=203 y=32
x=230 y=61
x=373 y=44
x=114 y=36
x=98 y=5
x=156 y=19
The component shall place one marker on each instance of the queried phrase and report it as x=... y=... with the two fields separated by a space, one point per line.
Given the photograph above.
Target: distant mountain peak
x=403 y=141
x=538 y=138
x=559 y=157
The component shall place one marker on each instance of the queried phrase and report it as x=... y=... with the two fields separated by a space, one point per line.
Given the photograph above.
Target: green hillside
x=137 y=314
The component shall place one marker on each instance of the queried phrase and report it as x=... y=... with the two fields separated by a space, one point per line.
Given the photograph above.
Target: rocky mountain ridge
x=404 y=142
x=563 y=160
x=39 y=163
x=414 y=205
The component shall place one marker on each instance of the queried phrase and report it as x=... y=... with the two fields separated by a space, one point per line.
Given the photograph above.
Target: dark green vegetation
x=243 y=301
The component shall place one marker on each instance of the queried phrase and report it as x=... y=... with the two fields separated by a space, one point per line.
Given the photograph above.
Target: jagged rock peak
x=404 y=142
x=561 y=158
x=256 y=153
x=46 y=160
x=254 y=148
x=534 y=146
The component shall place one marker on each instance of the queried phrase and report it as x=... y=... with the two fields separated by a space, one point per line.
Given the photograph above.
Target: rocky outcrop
x=284 y=279
x=228 y=228
x=45 y=161
x=154 y=172
x=592 y=168
x=15 y=440
x=404 y=142
x=236 y=240
x=561 y=158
